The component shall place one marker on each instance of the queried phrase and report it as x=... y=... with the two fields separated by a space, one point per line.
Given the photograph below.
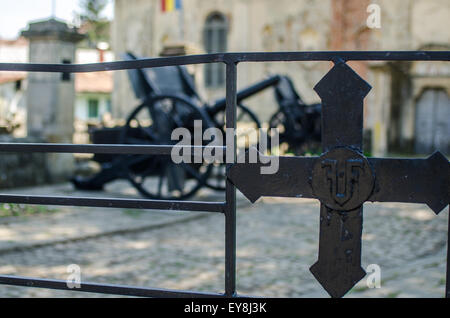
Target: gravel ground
x=277 y=242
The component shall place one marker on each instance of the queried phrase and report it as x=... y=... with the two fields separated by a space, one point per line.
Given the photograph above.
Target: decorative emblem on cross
x=342 y=179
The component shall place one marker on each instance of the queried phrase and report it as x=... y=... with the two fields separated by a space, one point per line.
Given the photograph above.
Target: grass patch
x=133 y=212
x=393 y=295
x=360 y=289
x=441 y=282
x=394 y=276
x=23 y=210
x=432 y=265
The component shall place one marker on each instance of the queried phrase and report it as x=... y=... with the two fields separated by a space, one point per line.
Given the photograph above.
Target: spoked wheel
x=287 y=133
x=294 y=135
x=247 y=123
x=157 y=176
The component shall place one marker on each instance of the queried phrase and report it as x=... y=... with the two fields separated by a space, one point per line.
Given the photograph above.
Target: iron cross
x=342 y=179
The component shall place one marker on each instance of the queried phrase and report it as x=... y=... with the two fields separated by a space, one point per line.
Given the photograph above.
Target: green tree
x=96 y=27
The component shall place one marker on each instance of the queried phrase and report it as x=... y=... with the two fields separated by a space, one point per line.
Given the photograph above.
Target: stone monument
x=51 y=96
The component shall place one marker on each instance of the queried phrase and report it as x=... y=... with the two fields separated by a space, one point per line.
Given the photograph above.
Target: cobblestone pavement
x=277 y=242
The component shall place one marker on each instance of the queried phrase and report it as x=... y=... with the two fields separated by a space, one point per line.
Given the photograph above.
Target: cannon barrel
x=249 y=91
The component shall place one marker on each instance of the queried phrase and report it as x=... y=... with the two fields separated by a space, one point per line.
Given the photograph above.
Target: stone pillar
x=51 y=96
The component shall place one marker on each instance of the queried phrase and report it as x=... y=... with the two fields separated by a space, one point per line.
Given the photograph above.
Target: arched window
x=215 y=41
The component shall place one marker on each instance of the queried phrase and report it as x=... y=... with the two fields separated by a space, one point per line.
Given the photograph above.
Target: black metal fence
x=227 y=208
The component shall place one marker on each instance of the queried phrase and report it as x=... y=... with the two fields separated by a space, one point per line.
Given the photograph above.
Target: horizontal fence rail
x=228 y=208
x=102 y=288
x=172 y=205
x=231 y=58
x=102 y=148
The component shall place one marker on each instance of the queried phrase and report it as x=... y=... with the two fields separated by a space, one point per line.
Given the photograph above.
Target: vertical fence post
x=447 y=280
x=230 y=193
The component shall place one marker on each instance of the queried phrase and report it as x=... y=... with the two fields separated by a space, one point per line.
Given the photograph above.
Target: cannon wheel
x=294 y=134
x=152 y=122
x=244 y=118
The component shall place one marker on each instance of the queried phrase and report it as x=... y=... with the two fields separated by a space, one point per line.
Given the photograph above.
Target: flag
x=170 y=5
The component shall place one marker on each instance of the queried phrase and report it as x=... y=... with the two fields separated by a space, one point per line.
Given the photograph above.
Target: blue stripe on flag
x=178 y=5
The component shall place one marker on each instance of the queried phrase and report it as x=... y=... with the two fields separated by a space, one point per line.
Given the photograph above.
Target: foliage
x=8 y=210
x=92 y=9
x=97 y=27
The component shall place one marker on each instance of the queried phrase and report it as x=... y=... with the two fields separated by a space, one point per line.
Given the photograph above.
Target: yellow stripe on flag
x=170 y=5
